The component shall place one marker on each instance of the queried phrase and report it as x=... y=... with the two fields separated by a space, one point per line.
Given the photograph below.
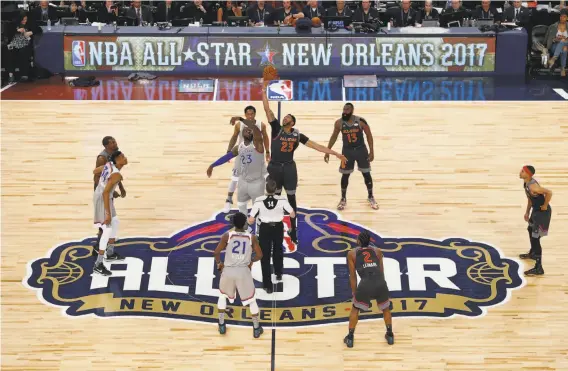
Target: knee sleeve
x=344 y=181
x=114 y=224
x=368 y=180
x=106 y=235
x=222 y=303
x=254 y=308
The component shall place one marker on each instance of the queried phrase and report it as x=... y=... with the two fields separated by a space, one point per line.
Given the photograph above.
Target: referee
x=270 y=211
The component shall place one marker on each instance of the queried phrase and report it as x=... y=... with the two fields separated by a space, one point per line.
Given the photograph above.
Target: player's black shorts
x=369 y=289
x=360 y=155
x=285 y=175
x=539 y=222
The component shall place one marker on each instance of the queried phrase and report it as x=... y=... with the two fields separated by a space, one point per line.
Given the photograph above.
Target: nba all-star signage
x=175 y=277
x=313 y=56
x=280 y=90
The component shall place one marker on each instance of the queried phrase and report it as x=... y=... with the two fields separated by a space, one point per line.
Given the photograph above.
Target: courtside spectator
x=20 y=46
x=557 y=42
x=259 y=12
x=167 y=11
x=403 y=16
x=339 y=10
x=77 y=13
x=44 y=12
x=140 y=13
x=313 y=10
x=428 y=13
x=365 y=13
x=517 y=13
x=198 y=11
x=287 y=13
x=455 y=7
x=108 y=13
x=486 y=11
x=229 y=9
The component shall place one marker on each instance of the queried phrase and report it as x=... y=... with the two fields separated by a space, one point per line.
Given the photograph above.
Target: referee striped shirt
x=270 y=209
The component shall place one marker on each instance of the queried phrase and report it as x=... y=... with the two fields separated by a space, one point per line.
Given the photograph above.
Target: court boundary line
x=273 y=350
x=8 y=86
x=561 y=92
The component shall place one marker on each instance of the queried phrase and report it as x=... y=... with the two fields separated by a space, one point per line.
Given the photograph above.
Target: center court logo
x=175 y=277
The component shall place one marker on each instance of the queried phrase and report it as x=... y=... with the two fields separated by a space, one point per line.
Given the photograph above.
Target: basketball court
x=442 y=170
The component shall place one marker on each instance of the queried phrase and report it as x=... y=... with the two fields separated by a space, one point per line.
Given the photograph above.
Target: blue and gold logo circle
x=175 y=277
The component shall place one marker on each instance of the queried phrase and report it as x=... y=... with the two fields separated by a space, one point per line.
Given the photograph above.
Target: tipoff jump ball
x=269 y=73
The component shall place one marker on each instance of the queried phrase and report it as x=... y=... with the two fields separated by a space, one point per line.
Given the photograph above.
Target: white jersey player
x=104 y=211
x=252 y=172
x=237 y=139
x=236 y=271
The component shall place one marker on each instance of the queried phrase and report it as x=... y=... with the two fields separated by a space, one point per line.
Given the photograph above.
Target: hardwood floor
x=441 y=170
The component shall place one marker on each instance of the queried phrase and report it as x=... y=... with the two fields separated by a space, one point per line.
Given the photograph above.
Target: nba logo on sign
x=78 y=53
x=280 y=90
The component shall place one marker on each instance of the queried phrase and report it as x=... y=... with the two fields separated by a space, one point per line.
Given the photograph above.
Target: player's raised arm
x=223 y=159
x=333 y=138
x=367 y=131
x=235 y=136
x=352 y=272
x=113 y=180
x=101 y=161
x=274 y=124
x=220 y=247
x=256 y=135
x=535 y=188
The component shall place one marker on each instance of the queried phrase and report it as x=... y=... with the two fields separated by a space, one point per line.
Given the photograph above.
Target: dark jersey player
x=538 y=215
x=352 y=129
x=367 y=261
x=282 y=168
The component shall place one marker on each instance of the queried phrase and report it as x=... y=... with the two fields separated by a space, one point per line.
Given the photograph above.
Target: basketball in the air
x=269 y=73
x=316 y=22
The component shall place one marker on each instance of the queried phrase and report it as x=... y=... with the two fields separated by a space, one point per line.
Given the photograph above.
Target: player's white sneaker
x=374 y=205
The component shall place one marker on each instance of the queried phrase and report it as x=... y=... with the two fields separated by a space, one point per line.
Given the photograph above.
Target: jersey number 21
x=238 y=244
